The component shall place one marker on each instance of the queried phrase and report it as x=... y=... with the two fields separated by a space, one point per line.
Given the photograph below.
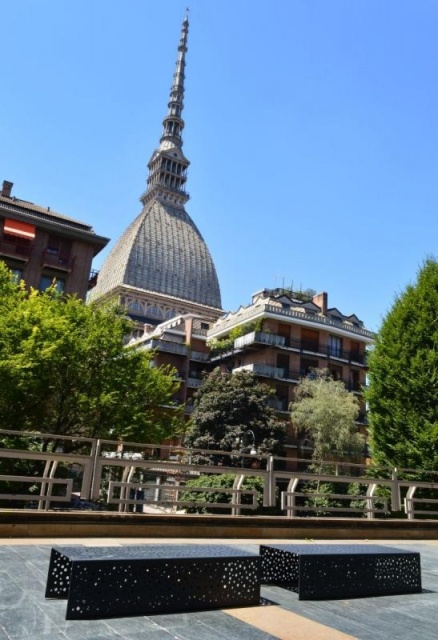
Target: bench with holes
x=103 y=582
x=324 y=571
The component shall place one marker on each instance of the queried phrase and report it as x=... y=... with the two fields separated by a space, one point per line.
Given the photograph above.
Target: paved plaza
x=25 y=614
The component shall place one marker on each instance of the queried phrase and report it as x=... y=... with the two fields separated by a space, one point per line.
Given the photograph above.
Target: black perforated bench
x=326 y=571
x=102 y=582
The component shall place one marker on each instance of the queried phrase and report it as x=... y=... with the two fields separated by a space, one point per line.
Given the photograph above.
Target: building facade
x=161 y=267
x=280 y=337
x=41 y=246
x=182 y=343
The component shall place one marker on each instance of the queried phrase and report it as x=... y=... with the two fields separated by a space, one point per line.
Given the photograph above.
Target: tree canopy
x=325 y=413
x=227 y=408
x=403 y=377
x=64 y=369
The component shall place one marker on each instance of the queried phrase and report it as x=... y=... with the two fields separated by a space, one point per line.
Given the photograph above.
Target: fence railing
x=48 y=471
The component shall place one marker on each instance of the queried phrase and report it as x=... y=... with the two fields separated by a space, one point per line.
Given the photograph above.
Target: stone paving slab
x=25 y=614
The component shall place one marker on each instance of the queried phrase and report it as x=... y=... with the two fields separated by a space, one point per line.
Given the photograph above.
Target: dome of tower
x=162 y=251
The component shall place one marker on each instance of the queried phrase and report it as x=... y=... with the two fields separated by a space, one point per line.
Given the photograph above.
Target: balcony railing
x=279 y=404
x=194 y=382
x=259 y=310
x=92 y=280
x=15 y=249
x=199 y=356
x=56 y=261
x=167 y=346
x=259 y=337
x=272 y=339
x=282 y=373
x=269 y=371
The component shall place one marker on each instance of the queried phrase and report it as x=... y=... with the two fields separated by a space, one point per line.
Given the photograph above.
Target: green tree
x=64 y=369
x=325 y=412
x=403 y=376
x=227 y=408
x=219 y=482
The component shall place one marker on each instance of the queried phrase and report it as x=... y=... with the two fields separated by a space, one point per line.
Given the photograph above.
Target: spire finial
x=168 y=165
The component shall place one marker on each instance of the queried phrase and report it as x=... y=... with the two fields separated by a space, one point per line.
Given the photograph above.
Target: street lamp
x=244 y=444
x=246 y=433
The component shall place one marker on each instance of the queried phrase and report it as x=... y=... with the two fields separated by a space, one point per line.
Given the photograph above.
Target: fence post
x=269 y=486
x=395 y=491
x=236 y=496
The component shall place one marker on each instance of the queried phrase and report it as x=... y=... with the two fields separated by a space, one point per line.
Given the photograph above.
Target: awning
x=20 y=229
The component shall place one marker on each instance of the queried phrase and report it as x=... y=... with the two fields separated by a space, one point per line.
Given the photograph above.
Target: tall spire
x=168 y=165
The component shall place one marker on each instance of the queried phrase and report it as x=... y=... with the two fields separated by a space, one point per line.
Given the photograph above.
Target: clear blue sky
x=311 y=127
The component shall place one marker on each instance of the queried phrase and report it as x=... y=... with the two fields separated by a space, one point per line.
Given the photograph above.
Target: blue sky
x=311 y=127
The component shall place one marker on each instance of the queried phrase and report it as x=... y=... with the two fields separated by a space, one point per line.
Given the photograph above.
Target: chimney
x=6 y=189
x=321 y=299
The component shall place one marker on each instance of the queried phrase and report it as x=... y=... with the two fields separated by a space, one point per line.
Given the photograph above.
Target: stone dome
x=162 y=251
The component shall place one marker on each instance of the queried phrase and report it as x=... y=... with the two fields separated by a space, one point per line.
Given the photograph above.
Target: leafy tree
x=227 y=407
x=403 y=375
x=325 y=412
x=219 y=482
x=64 y=369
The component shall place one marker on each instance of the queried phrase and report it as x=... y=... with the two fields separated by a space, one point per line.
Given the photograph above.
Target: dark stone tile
x=53 y=609
x=25 y=620
x=237 y=631
x=155 y=634
x=89 y=630
x=12 y=596
x=134 y=624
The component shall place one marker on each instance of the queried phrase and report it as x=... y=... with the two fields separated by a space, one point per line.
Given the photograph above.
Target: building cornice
x=261 y=311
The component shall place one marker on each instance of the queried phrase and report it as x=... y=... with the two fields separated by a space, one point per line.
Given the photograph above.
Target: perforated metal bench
x=102 y=582
x=319 y=572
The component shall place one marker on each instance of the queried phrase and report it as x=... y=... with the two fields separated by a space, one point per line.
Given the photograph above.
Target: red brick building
x=41 y=246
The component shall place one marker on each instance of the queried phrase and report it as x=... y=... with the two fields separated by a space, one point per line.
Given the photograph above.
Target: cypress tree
x=403 y=376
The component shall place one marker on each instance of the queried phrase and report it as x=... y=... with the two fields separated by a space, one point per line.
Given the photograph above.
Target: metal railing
x=64 y=471
x=258 y=310
x=296 y=344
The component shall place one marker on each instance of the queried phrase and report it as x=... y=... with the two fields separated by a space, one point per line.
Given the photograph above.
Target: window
x=134 y=305
x=47 y=281
x=60 y=249
x=309 y=340
x=17 y=274
x=335 y=346
x=336 y=372
x=306 y=366
x=155 y=312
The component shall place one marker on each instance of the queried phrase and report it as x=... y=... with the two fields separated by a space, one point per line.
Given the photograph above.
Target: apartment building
x=281 y=336
x=182 y=343
x=41 y=246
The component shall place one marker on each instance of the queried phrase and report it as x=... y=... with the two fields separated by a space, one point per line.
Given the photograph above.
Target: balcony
x=92 y=280
x=326 y=351
x=256 y=339
x=279 y=404
x=199 y=356
x=18 y=249
x=269 y=371
x=167 y=346
x=54 y=260
x=259 y=338
x=268 y=310
x=194 y=383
